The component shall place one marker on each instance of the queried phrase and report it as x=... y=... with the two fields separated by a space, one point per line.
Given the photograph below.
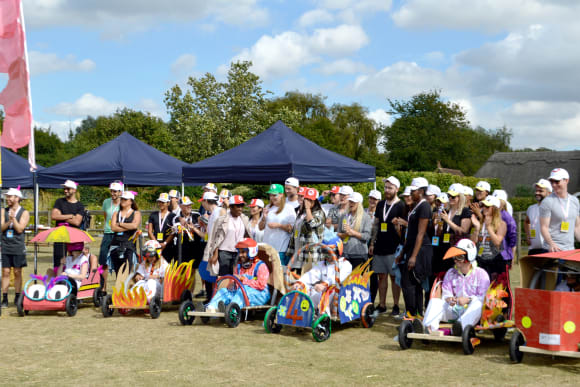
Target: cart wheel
x=106 y=306
x=71 y=305
x=184 y=309
x=321 y=328
x=185 y=296
x=516 y=342
x=20 y=305
x=270 y=321
x=367 y=315
x=466 y=336
x=97 y=295
x=499 y=334
x=405 y=328
x=233 y=315
x=155 y=307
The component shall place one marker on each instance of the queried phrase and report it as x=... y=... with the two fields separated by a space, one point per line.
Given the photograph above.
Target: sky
x=514 y=63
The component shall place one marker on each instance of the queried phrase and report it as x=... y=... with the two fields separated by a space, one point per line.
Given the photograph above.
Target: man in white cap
x=66 y=210
x=560 y=214
x=342 y=208
x=110 y=206
x=291 y=186
x=385 y=238
x=14 y=220
x=174 y=202
x=209 y=187
x=532 y=223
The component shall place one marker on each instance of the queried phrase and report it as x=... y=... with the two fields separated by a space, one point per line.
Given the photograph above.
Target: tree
x=215 y=116
x=50 y=150
x=94 y=132
x=427 y=130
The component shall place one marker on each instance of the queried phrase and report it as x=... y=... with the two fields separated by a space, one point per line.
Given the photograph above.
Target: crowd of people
x=409 y=236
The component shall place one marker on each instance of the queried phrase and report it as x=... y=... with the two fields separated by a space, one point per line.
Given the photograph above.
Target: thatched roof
x=440 y=169
x=525 y=168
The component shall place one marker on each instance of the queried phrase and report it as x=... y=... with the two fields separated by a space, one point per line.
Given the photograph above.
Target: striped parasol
x=63 y=234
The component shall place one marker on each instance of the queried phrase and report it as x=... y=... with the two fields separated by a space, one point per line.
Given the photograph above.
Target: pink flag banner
x=15 y=97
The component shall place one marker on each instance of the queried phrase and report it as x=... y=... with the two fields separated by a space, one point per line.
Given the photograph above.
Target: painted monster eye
x=58 y=292
x=36 y=292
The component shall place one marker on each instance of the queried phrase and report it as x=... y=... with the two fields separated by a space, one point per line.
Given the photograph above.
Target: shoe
x=201 y=294
x=456 y=329
x=381 y=309
x=16 y=297
x=4 y=304
x=395 y=311
x=417 y=326
x=400 y=317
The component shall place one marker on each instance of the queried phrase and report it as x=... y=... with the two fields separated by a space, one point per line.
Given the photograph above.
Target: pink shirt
x=474 y=284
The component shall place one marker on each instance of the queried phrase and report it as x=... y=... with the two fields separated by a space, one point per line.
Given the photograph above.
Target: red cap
x=301 y=190
x=335 y=189
x=311 y=194
x=236 y=199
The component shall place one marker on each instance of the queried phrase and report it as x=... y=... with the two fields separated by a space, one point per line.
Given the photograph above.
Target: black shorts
x=12 y=260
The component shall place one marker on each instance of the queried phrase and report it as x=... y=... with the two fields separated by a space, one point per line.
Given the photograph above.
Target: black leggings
x=411 y=281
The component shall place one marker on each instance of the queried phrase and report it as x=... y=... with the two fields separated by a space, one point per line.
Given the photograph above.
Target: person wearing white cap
x=415 y=260
x=468 y=192
x=374 y=199
x=431 y=194
x=511 y=237
x=174 y=196
x=110 y=206
x=532 y=222
x=125 y=223
x=14 y=221
x=192 y=244
x=560 y=214
x=488 y=236
x=291 y=186
x=159 y=226
x=482 y=190
x=341 y=208
x=256 y=211
x=211 y=211
x=354 y=228
x=277 y=222
x=209 y=187
x=385 y=238
x=66 y=210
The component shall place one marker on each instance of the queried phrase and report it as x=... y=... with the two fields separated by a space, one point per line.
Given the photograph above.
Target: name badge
x=120 y=233
x=565 y=227
x=205 y=237
x=480 y=251
x=345 y=240
x=296 y=234
x=532 y=233
x=435 y=241
x=384 y=227
x=446 y=237
x=159 y=236
x=9 y=233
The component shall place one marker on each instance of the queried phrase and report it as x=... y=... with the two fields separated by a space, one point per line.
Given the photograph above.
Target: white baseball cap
x=375 y=194
x=211 y=187
x=209 y=195
x=356 y=197
x=491 y=200
x=185 y=201
x=257 y=203
x=174 y=194
x=393 y=180
x=483 y=186
x=116 y=186
x=543 y=183
x=163 y=197
x=467 y=190
x=500 y=194
x=130 y=195
x=69 y=184
x=432 y=189
x=559 y=174
x=292 y=181
x=14 y=192
x=455 y=189
x=443 y=198
x=407 y=191
x=346 y=190
x=419 y=182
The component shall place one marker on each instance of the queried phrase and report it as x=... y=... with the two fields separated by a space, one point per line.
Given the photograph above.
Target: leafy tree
x=215 y=116
x=50 y=150
x=427 y=130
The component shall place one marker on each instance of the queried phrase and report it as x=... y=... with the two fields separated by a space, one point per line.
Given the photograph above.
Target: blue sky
x=512 y=63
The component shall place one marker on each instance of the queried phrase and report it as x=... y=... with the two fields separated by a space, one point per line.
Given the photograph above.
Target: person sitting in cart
x=151 y=271
x=571 y=280
x=75 y=265
x=463 y=291
x=323 y=275
x=252 y=272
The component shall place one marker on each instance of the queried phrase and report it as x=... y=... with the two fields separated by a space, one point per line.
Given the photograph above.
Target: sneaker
x=201 y=294
x=16 y=297
x=381 y=309
x=4 y=303
x=395 y=311
x=400 y=317
x=456 y=329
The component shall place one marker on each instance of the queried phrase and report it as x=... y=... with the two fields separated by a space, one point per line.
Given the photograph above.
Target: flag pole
x=31 y=147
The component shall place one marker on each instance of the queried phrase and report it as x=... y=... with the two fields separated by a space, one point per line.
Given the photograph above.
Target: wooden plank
x=424 y=336
x=525 y=348
x=206 y=314
x=257 y=307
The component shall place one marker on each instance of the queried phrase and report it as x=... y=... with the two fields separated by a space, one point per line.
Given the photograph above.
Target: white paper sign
x=548 y=339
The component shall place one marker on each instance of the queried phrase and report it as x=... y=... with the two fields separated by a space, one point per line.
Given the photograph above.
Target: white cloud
x=149 y=105
x=87 y=105
x=380 y=116
x=115 y=17
x=353 y=11
x=315 y=17
x=184 y=65
x=60 y=128
x=286 y=53
x=491 y=16
x=343 y=66
x=42 y=63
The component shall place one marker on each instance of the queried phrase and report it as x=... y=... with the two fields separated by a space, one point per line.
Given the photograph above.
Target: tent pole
x=35 y=184
x=182 y=189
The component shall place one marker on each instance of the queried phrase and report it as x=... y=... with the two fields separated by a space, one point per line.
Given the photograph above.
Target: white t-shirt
x=560 y=210
x=75 y=266
x=536 y=238
x=278 y=238
x=295 y=204
x=146 y=271
x=212 y=218
x=255 y=232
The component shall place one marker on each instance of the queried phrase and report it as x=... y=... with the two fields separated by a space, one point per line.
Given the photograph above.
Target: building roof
x=525 y=168
x=440 y=169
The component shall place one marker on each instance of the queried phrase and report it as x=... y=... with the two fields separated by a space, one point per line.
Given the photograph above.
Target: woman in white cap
x=124 y=224
x=488 y=236
x=511 y=236
x=374 y=198
x=159 y=226
x=256 y=211
x=341 y=208
x=110 y=206
x=14 y=221
x=354 y=229
x=308 y=229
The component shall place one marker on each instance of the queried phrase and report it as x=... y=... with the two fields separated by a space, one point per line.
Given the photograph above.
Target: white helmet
x=463 y=247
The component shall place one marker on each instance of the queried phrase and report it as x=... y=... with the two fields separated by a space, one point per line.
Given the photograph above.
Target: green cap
x=275 y=189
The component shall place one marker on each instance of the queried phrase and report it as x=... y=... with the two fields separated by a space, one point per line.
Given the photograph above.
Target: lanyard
x=451 y=216
x=161 y=221
x=121 y=219
x=566 y=211
x=386 y=213
x=414 y=209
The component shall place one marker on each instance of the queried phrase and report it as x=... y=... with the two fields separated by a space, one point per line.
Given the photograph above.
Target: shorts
x=104 y=251
x=383 y=264
x=12 y=260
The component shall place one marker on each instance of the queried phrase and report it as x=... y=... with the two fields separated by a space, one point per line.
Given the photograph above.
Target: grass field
x=49 y=348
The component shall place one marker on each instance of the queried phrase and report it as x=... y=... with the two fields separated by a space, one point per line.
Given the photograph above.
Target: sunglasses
x=459 y=258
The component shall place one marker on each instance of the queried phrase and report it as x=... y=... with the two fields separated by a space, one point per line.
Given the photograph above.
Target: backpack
x=86 y=222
